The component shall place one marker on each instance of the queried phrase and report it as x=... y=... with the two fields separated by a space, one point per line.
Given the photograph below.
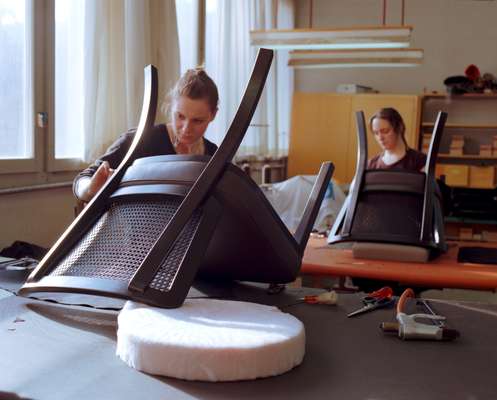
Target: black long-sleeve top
x=156 y=143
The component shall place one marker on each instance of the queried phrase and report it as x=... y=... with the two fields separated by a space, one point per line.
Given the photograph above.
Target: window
x=187 y=12
x=41 y=96
x=16 y=71
x=229 y=23
x=69 y=89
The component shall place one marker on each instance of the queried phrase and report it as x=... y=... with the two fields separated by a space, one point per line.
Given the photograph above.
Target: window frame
x=54 y=164
x=35 y=163
x=42 y=167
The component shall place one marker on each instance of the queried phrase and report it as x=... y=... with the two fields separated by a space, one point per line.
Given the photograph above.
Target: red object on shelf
x=472 y=72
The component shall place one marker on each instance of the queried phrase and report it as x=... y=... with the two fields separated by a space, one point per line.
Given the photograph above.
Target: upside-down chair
x=161 y=221
x=393 y=214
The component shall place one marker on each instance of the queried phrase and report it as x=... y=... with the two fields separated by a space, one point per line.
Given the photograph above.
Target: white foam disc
x=210 y=340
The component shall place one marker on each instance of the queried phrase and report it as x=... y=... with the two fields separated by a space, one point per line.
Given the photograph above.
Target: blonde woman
x=193 y=104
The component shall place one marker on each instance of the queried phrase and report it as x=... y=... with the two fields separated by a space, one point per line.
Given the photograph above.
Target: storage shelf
x=461 y=96
x=461 y=126
x=466 y=160
x=465 y=220
x=472 y=116
x=467 y=157
x=453 y=238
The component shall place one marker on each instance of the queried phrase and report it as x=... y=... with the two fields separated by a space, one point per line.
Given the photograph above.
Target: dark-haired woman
x=192 y=105
x=389 y=129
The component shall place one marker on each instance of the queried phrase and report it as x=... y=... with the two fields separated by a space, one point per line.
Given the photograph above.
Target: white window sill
x=32 y=188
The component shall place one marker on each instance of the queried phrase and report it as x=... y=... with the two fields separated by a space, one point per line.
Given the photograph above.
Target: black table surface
x=53 y=351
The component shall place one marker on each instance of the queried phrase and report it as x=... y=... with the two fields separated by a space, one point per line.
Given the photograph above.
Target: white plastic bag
x=290 y=197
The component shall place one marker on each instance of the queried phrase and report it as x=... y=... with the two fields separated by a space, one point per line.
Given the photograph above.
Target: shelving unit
x=471 y=176
x=462 y=126
x=472 y=220
x=473 y=117
x=467 y=157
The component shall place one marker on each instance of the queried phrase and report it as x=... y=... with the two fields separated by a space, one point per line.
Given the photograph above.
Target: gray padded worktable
x=50 y=351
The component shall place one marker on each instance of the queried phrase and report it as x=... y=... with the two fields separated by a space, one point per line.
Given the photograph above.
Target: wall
x=453 y=34
x=37 y=217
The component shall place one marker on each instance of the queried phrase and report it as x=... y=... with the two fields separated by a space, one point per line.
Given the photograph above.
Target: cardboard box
x=465 y=234
x=489 y=236
x=456 y=145
x=485 y=150
x=426 y=139
x=481 y=177
x=455 y=151
x=439 y=170
x=457 y=141
x=353 y=88
x=455 y=175
x=494 y=145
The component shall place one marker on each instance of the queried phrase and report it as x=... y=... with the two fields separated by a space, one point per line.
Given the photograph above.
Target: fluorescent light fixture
x=373 y=37
x=355 y=58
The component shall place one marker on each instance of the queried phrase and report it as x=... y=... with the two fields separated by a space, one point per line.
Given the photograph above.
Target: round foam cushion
x=210 y=340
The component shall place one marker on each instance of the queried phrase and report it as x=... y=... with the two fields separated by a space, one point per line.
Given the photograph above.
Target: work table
x=321 y=259
x=52 y=351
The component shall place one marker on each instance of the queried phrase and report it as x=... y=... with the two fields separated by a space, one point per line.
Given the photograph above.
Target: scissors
x=380 y=298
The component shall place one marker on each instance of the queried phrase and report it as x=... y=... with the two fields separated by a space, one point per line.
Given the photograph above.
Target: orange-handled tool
x=408 y=328
x=403 y=298
x=323 y=298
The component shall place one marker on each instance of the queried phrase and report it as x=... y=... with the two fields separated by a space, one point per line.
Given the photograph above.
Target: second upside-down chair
x=392 y=214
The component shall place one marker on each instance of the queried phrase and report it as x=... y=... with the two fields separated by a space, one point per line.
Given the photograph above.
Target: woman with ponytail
x=190 y=106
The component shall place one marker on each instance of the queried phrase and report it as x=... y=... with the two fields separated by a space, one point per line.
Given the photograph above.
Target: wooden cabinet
x=320 y=129
x=323 y=128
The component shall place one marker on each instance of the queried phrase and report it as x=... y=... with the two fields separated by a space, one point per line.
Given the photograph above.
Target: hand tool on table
x=408 y=326
x=323 y=298
x=380 y=298
x=424 y=303
x=21 y=264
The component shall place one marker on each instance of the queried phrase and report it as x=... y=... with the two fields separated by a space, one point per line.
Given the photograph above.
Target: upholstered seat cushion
x=210 y=340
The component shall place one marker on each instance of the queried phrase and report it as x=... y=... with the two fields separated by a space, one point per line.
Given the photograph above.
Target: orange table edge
x=321 y=259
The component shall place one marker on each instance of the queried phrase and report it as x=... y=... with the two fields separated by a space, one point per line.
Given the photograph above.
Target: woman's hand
x=101 y=175
x=87 y=188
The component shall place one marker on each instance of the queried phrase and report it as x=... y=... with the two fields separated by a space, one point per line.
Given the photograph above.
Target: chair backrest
x=146 y=233
x=392 y=206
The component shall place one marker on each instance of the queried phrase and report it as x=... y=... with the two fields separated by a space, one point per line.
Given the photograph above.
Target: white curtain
x=121 y=38
x=229 y=61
